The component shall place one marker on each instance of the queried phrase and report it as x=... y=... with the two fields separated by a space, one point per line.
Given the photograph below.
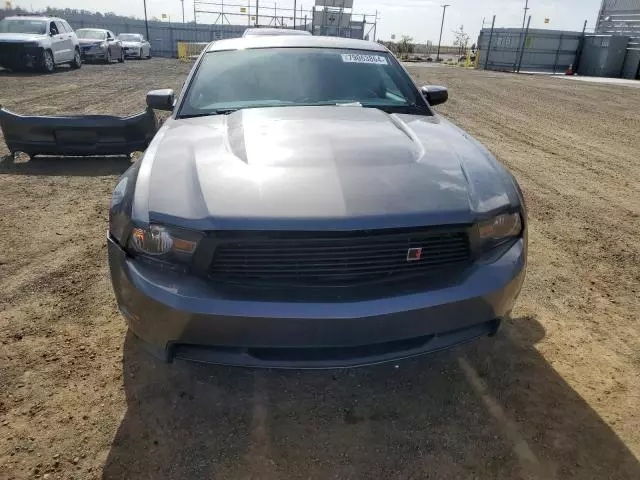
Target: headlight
x=165 y=246
x=500 y=229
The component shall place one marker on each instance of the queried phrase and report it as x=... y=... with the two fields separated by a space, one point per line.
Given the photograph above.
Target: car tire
x=107 y=56
x=47 y=63
x=140 y=54
x=121 y=59
x=76 y=63
x=149 y=54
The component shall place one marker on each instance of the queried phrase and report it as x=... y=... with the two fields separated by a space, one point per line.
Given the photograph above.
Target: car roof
x=274 y=31
x=32 y=17
x=95 y=29
x=275 y=41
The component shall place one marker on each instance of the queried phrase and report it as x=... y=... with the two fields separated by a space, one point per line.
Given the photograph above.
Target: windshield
x=130 y=37
x=91 y=34
x=230 y=80
x=21 y=25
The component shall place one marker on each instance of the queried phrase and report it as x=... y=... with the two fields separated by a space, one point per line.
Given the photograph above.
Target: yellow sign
x=253 y=19
x=243 y=9
x=547 y=20
x=7 y=4
x=164 y=15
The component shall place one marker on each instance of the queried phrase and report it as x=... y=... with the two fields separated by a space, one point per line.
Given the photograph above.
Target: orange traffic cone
x=570 y=70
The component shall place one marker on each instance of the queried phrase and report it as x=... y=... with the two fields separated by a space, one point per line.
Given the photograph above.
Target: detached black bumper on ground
x=77 y=135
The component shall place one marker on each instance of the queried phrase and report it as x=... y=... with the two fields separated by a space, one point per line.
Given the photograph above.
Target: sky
x=419 y=19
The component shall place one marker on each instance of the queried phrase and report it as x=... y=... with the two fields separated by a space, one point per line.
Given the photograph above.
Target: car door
x=72 y=37
x=66 y=51
x=57 y=43
x=115 y=46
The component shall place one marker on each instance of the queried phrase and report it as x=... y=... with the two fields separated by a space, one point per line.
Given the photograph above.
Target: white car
x=135 y=45
x=41 y=43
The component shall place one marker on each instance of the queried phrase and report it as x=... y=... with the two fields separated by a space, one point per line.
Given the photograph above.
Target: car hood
x=343 y=167
x=20 y=37
x=90 y=41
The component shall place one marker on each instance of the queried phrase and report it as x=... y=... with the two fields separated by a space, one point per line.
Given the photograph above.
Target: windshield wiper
x=220 y=111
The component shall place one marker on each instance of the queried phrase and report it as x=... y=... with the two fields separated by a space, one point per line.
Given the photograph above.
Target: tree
x=462 y=39
x=405 y=46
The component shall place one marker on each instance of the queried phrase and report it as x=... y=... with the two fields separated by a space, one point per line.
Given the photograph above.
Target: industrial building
x=620 y=17
x=613 y=50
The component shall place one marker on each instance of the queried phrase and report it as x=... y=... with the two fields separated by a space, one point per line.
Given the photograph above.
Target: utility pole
x=526 y=9
x=444 y=10
x=182 y=1
x=295 y=4
x=375 y=27
x=146 y=22
x=257 y=8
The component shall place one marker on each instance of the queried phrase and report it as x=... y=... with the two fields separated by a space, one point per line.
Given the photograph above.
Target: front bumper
x=93 y=53
x=185 y=317
x=16 y=56
x=131 y=52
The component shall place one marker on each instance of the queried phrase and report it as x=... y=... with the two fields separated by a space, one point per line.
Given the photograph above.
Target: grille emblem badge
x=414 y=254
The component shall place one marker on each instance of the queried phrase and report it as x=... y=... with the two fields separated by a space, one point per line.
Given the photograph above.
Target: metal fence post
x=524 y=44
x=555 y=61
x=486 y=60
x=171 y=43
x=576 y=62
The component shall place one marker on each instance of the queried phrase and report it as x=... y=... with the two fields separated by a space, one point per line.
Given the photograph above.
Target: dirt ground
x=555 y=396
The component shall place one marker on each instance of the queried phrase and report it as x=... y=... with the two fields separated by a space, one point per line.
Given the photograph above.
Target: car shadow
x=33 y=73
x=65 y=166
x=492 y=409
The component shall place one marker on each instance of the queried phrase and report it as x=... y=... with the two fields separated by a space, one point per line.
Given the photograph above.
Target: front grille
x=338 y=259
x=18 y=54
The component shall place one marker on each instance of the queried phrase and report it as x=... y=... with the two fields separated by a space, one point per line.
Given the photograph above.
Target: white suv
x=37 y=43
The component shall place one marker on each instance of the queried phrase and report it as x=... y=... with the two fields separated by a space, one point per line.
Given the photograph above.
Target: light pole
x=526 y=9
x=182 y=1
x=146 y=23
x=444 y=10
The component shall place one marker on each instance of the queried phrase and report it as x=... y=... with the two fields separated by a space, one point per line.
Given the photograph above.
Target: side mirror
x=161 y=99
x=435 y=95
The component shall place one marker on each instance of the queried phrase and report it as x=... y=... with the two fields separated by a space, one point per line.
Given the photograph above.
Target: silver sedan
x=135 y=45
x=99 y=44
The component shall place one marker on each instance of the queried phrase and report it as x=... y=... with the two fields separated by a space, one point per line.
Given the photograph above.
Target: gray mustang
x=304 y=207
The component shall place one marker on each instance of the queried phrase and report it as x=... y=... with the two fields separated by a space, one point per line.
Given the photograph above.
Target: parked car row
x=42 y=43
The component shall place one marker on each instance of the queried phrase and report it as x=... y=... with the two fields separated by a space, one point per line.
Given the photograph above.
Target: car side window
x=67 y=27
x=60 y=26
x=53 y=29
x=109 y=36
